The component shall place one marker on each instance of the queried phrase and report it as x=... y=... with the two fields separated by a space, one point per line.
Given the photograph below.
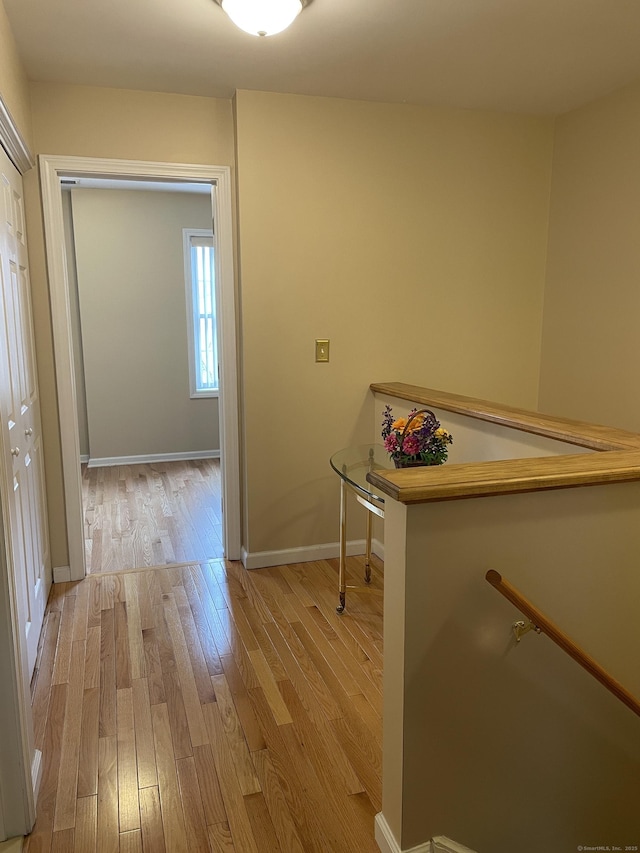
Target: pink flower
x=411 y=445
x=391 y=443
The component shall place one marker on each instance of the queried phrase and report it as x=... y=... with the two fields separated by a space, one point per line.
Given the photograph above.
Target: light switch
x=322 y=350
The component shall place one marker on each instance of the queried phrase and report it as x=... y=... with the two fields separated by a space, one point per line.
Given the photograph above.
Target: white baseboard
x=440 y=844
x=378 y=548
x=84 y=458
x=61 y=574
x=326 y=551
x=386 y=840
x=36 y=772
x=145 y=459
x=387 y=843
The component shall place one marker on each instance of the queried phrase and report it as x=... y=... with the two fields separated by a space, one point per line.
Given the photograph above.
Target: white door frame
x=20 y=763
x=51 y=168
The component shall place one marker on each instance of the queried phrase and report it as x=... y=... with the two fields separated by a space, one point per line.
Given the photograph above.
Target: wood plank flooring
x=206 y=708
x=152 y=515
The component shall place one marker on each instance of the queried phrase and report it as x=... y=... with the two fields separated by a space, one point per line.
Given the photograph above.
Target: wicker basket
x=400 y=463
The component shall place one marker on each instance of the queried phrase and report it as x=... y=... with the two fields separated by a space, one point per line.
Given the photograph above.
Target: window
x=200 y=276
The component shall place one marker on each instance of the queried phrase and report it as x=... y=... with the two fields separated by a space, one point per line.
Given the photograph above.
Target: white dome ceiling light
x=263 y=17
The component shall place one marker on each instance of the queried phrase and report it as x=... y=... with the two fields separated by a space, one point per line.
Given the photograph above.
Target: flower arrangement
x=415 y=440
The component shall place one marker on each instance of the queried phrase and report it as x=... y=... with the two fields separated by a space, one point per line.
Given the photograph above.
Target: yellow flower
x=414 y=425
x=441 y=433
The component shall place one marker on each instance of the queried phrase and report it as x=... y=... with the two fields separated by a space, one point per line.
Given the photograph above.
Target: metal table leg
x=367 y=554
x=342 y=577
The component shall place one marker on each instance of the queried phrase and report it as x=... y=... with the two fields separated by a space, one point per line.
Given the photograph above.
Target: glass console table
x=352 y=466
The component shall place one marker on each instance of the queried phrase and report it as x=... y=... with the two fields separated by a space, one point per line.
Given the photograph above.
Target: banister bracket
x=521 y=628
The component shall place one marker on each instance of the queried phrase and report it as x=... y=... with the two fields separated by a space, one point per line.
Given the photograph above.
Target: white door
x=21 y=463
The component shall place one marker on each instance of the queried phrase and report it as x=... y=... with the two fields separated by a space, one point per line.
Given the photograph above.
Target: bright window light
x=201 y=307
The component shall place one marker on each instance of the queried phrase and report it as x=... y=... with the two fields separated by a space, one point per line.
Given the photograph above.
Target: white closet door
x=21 y=464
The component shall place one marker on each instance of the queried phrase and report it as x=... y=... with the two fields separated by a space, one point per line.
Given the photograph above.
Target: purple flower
x=387 y=420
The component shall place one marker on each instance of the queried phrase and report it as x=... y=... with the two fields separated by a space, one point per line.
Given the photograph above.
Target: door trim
x=18 y=791
x=12 y=141
x=220 y=177
x=19 y=777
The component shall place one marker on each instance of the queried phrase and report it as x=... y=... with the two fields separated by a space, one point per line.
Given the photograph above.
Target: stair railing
x=539 y=623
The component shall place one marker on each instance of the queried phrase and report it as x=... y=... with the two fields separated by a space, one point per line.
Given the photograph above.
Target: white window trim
x=187 y=234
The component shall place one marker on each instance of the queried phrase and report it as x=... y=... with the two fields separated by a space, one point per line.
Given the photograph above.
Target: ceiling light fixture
x=263 y=17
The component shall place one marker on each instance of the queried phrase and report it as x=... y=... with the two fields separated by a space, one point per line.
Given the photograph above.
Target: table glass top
x=354 y=463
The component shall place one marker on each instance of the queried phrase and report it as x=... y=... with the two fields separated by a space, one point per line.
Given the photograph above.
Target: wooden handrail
x=617 y=459
x=595 y=436
x=545 y=626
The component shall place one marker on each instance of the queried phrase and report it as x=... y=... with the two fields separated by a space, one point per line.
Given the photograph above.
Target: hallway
x=207 y=708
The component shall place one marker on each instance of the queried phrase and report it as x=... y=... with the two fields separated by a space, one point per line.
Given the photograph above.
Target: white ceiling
x=538 y=56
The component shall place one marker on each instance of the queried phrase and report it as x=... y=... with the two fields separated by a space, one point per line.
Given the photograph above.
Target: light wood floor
x=152 y=515
x=206 y=708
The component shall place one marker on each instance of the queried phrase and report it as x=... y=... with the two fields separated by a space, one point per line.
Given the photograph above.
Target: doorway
x=218 y=180
x=142 y=302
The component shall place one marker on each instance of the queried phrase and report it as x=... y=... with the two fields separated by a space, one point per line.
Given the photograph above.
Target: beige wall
x=591 y=347
x=415 y=240
x=130 y=262
x=14 y=87
x=392 y=230
x=91 y=122
x=507 y=747
x=118 y=123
